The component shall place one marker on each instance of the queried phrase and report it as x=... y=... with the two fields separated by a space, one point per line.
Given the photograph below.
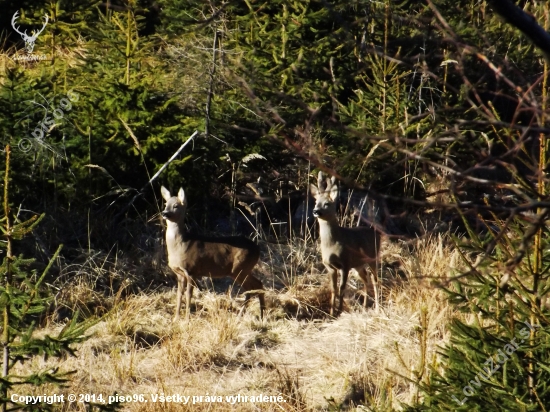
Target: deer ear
x=165 y=193
x=333 y=191
x=181 y=195
x=314 y=190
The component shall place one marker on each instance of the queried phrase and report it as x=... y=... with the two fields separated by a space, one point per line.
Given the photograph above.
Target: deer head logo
x=29 y=40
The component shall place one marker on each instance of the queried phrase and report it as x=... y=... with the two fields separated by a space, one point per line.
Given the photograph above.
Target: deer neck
x=175 y=233
x=329 y=230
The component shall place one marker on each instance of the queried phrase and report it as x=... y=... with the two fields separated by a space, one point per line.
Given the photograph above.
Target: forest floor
x=297 y=356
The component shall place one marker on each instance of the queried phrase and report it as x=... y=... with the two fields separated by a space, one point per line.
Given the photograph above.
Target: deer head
x=29 y=40
x=175 y=205
x=325 y=194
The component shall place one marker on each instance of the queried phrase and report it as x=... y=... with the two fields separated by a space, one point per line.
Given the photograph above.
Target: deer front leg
x=344 y=280
x=333 y=286
x=188 y=295
x=179 y=292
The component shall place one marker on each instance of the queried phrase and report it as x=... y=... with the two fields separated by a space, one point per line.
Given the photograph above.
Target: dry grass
x=314 y=362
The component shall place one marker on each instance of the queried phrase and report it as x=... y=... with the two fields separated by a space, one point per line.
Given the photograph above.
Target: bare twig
x=524 y=22
x=211 y=85
x=164 y=166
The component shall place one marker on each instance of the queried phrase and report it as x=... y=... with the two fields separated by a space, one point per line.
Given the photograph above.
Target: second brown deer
x=192 y=256
x=342 y=248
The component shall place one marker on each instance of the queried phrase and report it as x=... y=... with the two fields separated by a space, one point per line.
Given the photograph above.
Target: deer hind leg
x=261 y=298
x=250 y=283
x=363 y=274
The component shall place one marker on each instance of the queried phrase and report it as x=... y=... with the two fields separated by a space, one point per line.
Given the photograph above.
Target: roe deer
x=343 y=248
x=192 y=256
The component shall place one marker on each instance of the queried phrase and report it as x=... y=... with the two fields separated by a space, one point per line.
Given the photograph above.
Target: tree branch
x=524 y=22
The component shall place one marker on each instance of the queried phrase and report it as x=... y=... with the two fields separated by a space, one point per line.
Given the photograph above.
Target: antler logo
x=29 y=40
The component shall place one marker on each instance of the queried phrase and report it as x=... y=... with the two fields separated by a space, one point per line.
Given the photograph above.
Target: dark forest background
x=388 y=96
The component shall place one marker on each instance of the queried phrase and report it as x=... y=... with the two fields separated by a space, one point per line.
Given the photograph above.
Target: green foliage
x=124 y=116
x=497 y=360
x=325 y=80
x=23 y=300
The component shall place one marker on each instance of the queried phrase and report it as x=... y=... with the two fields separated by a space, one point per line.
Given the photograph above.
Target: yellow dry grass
x=317 y=363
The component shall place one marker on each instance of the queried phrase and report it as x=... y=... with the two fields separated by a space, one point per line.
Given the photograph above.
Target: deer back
x=349 y=247
x=203 y=255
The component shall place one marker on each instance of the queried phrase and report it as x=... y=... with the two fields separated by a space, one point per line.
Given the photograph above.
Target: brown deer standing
x=343 y=248
x=192 y=256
